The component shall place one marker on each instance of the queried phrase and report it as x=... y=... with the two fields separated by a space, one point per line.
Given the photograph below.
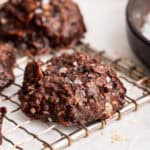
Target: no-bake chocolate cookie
x=38 y=26
x=71 y=89
x=2 y=114
x=7 y=61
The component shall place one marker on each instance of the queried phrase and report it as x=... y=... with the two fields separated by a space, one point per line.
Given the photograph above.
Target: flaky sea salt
x=146 y=27
x=77 y=81
x=63 y=70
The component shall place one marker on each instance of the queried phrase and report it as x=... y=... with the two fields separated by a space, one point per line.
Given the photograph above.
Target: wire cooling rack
x=20 y=133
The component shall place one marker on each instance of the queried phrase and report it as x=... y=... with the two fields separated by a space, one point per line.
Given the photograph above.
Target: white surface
x=106 y=25
x=105 y=20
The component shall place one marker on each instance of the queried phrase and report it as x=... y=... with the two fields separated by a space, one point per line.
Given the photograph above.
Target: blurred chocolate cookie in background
x=39 y=26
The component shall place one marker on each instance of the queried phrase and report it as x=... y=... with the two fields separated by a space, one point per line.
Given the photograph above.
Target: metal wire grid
x=128 y=72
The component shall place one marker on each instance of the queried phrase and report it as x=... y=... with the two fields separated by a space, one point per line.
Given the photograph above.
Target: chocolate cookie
x=7 y=61
x=71 y=89
x=38 y=26
x=2 y=114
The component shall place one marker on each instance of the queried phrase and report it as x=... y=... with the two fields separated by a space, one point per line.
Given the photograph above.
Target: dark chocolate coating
x=72 y=89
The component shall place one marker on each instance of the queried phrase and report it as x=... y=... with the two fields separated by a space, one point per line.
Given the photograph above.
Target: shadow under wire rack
x=19 y=132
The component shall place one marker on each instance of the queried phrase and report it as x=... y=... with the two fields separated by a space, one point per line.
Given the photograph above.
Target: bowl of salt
x=138 y=28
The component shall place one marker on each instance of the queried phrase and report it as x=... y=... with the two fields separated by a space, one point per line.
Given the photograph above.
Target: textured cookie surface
x=7 y=61
x=71 y=89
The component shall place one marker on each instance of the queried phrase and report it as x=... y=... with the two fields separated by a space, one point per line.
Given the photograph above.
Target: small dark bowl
x=136 y=12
